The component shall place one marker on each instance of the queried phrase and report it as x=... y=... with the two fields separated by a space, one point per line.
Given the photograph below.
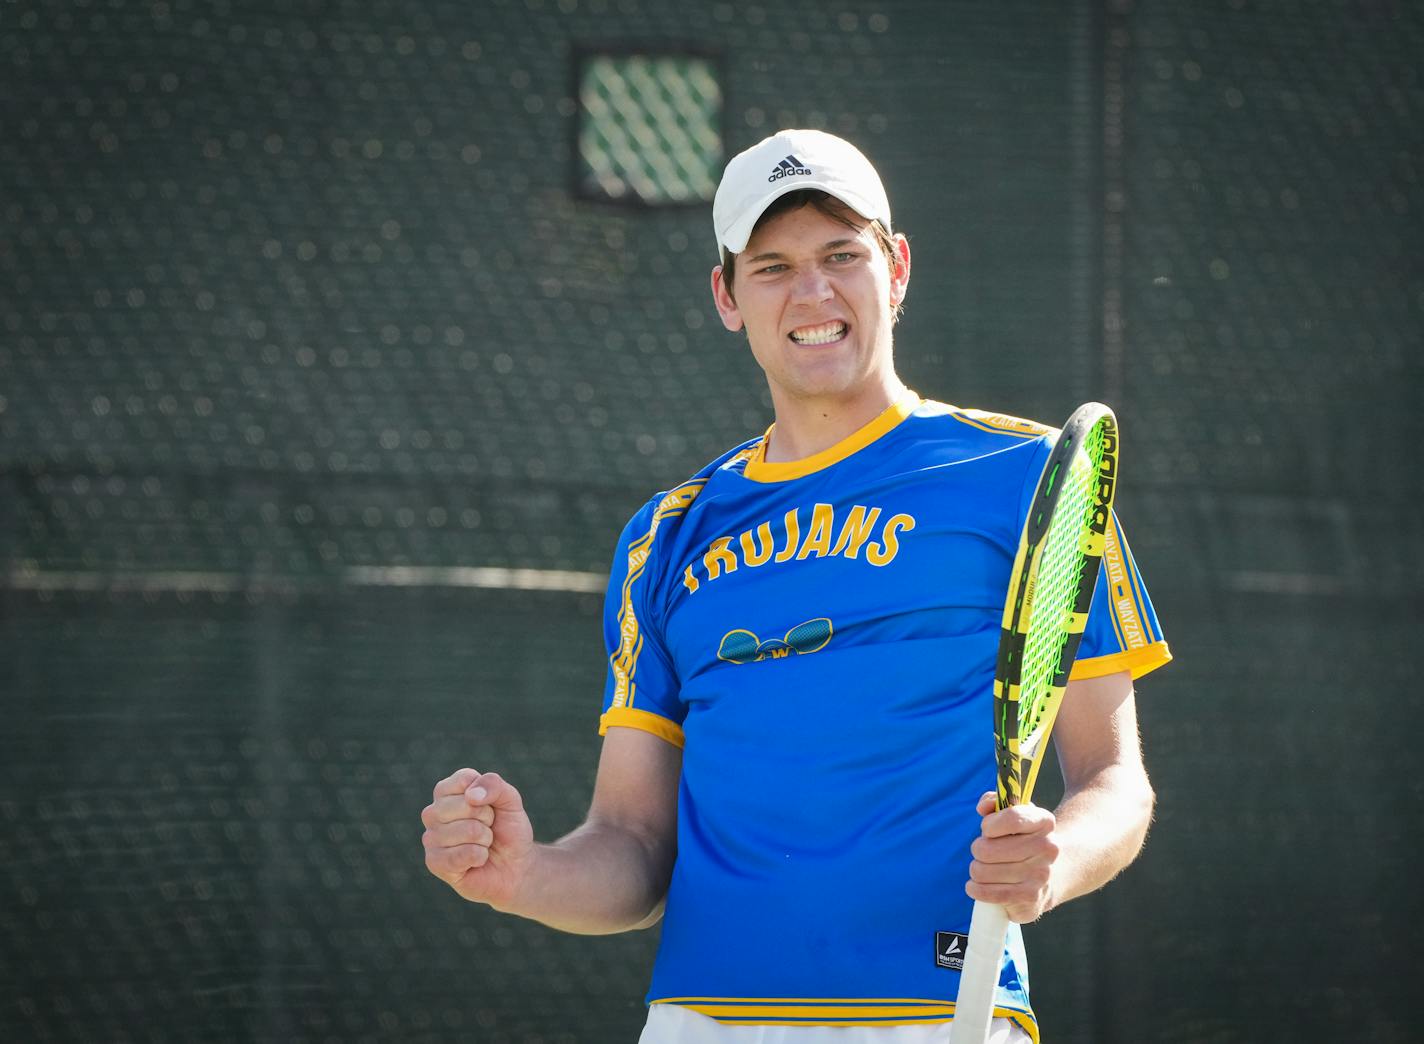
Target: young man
x=797 y=770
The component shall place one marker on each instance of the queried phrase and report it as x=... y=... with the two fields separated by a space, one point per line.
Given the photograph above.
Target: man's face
x=817 y=300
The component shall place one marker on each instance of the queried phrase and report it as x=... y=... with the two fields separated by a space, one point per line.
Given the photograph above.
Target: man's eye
x=771 y=269
x=841 y=256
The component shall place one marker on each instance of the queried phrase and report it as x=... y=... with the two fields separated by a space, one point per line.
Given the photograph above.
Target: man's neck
x=805 y=427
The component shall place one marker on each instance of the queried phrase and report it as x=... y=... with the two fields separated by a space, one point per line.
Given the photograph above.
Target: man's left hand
x=1013 y=859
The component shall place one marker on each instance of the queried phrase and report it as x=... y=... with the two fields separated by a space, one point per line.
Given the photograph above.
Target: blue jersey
x=820 y=637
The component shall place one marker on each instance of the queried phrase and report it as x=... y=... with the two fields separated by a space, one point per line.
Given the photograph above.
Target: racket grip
x=979 y=979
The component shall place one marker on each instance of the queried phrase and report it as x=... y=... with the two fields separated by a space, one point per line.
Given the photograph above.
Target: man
x=797 y=768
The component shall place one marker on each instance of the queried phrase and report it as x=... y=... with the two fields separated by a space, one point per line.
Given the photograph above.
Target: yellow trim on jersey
x=792 y=1011
x=1000 y=423
x=628 y=718
x=751 y=453
x=1139 y=661
x=625 y=661
x=1135 y=582
x=759 y=470
x=826 y=1012
x=1130 y=625
x=1114 y=568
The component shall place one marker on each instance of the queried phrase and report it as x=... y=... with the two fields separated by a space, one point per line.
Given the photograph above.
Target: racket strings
x=1060 y=574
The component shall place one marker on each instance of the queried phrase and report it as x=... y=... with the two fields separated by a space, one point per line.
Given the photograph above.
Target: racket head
x=1050 y=593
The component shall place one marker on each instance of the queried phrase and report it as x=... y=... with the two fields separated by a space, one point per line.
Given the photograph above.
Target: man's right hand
x=478 y=839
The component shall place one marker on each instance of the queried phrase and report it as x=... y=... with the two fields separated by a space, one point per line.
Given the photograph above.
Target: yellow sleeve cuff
x=1139 y=661
x=628 y=718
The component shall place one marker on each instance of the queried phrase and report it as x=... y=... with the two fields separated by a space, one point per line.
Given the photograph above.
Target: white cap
x=785 y=162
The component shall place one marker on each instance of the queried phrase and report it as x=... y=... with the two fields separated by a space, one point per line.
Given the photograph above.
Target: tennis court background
x=294 y=294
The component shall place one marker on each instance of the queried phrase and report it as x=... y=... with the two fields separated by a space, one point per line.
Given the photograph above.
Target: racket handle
x=979 y=979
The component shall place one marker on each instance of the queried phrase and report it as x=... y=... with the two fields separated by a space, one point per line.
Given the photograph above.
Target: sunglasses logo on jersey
x=741 y=646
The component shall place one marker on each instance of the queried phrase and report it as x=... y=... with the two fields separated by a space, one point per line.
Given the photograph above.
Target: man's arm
x=1030 y=859
x=609 y=875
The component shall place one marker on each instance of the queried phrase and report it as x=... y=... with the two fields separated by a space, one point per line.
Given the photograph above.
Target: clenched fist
x=478 y=839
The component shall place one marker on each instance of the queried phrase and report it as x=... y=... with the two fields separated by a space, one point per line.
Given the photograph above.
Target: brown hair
x=827 y=205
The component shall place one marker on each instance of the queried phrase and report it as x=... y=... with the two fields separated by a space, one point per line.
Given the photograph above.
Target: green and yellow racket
x=1050 y=592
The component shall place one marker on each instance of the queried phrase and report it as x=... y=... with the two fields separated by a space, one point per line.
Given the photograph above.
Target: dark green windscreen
x=325 y=391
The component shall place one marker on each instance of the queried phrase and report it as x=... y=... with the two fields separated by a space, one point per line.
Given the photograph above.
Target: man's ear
x=899 y=270
x=726 y=305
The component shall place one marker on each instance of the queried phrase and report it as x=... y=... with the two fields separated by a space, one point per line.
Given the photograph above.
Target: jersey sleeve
x=1122 y=632
x=641 y=690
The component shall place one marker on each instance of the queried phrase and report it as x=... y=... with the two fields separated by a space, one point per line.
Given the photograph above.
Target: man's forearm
x=1100 y=830
x=598 y=880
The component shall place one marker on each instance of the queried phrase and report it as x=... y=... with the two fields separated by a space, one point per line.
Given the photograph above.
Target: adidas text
x=789 y=167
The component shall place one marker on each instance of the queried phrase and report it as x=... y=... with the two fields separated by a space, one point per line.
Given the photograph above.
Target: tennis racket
x=1050 y=592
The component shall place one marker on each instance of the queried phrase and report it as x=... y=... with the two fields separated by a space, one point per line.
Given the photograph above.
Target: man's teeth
x=823 y=334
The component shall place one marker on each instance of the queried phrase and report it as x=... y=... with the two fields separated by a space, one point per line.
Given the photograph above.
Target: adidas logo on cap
x=788 y=167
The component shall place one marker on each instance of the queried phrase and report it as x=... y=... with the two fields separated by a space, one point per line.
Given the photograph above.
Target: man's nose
x=811 y=286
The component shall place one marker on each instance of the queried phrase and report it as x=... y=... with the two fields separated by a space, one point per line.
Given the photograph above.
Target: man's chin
x=823 y=387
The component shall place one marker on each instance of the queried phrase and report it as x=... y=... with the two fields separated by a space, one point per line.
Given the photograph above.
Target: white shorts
x=674 y=1024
